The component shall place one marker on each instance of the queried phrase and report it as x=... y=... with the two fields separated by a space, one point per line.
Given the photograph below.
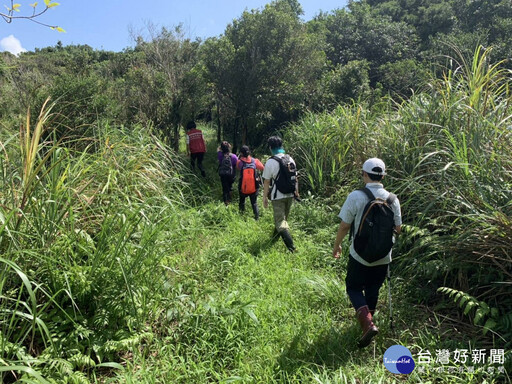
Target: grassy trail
x=244 y=309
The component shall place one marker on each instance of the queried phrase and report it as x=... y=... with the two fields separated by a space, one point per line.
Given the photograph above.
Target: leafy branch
x=468 y=302
x=14 y=8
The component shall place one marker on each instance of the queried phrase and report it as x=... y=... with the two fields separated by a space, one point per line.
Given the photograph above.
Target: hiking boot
x=369 y=329
x=288 y=241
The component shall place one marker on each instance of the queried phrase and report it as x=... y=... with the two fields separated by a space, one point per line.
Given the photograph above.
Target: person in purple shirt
x=227 y=167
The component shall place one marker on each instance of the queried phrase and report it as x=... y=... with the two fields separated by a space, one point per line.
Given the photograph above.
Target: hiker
x=196 y=147
x=367 y=267
x=227 y=166
x=281 y=170
x=249 y=182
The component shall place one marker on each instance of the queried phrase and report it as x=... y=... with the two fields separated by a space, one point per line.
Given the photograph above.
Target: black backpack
x=225 y=166
x=374 y=238
x=286 y=180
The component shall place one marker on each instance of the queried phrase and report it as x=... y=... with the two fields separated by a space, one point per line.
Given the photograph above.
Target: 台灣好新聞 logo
x=398 y=359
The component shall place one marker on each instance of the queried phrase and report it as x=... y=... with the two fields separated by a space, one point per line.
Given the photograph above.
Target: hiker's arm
x=342 y=232
x=266 y=186
x=398 y=229
x=259 y=165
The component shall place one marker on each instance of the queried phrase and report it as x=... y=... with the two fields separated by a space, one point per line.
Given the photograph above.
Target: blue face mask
x=275 y=151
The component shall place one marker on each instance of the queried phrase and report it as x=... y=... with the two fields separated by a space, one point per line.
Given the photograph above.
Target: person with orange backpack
x=250 y=180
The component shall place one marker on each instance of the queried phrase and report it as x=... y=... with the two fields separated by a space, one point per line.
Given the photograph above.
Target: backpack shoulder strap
x=246 y=163
x=391 y=198
x=370 y=196
x=280 y=162
x=278 y=159
x=368 y=193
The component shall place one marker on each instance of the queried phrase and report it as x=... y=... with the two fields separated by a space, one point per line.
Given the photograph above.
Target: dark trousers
x=253 y=197
x=363 y=283
x=199 y=156
x=227 y=188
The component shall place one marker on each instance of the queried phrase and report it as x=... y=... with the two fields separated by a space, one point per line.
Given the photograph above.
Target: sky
x=106 y=24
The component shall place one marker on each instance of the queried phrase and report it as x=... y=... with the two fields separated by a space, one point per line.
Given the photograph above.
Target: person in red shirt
x=196 y=147
x=249 y=181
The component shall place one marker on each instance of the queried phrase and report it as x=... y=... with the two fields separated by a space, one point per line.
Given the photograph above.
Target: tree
x=343 y=84
x=168 y=71
x=15 y=9
x=263 y=66
x=357 y=33
x=402 y=78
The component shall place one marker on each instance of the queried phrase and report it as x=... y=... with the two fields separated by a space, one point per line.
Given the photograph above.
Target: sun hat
x=374 y=166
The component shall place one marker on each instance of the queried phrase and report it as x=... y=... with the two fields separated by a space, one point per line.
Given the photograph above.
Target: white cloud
x=11 y=44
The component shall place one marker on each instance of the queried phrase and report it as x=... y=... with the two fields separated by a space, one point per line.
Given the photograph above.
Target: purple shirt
x=234 y=158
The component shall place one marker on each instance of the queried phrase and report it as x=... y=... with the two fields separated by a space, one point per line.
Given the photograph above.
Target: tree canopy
x=269 y=66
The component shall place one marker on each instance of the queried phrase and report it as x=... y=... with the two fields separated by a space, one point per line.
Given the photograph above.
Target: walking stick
x=389 y=299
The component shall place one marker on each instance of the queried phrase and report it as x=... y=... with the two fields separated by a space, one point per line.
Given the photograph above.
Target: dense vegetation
x=119 y=265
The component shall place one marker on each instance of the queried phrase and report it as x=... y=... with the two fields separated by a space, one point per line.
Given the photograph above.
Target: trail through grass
x=241 y=308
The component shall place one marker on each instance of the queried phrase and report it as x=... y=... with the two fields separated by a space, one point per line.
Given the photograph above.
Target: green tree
x=264 y=66
x=427 y=17
x=164 y=87
x=357 y=33
x=403 y=77
x=343 y=84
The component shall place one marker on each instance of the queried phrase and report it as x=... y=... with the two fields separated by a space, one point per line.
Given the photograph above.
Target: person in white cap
x=364 y=279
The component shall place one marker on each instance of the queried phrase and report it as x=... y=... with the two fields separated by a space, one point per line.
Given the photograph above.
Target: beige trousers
x=281 y=213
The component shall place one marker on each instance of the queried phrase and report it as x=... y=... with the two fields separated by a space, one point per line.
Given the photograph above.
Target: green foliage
x=360 y=34
x=344 y=84
x=81 y=235
x=439 y=146
x=326 y=147
x=402 y=78
x=263 y=66
x=168 y=64
x=482 y=313
x=79 y=102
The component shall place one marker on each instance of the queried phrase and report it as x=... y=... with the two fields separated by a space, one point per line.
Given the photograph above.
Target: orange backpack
x=248 y=177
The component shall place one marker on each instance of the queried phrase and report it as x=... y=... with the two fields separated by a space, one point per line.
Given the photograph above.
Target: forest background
x=119 y=265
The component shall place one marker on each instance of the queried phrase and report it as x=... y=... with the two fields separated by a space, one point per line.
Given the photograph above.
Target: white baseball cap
x=375 y=166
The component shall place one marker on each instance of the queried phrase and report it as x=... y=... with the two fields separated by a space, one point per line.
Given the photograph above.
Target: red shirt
x=195 y=141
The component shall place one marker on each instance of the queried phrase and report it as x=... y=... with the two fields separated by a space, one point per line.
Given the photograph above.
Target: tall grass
x=82 y=233
x=115 y=270
x=448 y=151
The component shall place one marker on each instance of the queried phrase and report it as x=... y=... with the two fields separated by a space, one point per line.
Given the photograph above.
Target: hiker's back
x=355 y=206
x=249 y=177
x=196 y=141
x=226 y=165
x=283 y=172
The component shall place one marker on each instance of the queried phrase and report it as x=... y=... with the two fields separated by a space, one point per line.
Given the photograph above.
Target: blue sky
x=105 y=24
